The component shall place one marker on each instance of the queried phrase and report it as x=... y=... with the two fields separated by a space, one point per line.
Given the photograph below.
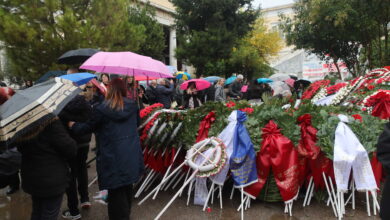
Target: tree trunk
x=337 y=67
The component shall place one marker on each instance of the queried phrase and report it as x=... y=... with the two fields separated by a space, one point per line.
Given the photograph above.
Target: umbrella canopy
x=280 y=88
x=304 y=82
x=264 y=80
x=76 y=56
x=290 y=82
x=212 y=79
x=99 y=86
x=293 y=77
x=29 y=109
x=126 y=63
x=230 y=80
x=279 y=77
x=49 y=75
x=183 y=75
x=200 y=84
x=79 y=78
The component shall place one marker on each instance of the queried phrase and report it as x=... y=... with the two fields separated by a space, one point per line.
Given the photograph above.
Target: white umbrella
x=279 y=77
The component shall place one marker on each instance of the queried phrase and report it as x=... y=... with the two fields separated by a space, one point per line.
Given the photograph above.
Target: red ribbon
x=382 y=108
x=277 y=153
x=377 y=169
x=205 y=126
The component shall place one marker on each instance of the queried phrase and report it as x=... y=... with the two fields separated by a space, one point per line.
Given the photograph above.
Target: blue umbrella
x=230 y=80
x=264 y=80
x=212 y=79
x=49 y=75
x=183 y=75
x=79 y=78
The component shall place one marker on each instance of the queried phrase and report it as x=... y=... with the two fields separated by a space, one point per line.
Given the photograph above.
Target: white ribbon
x=201 y=191
x=227 y=136
x=325 y=101
x=349 y=154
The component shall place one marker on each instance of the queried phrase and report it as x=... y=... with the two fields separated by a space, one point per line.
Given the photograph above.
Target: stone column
x=172 y=47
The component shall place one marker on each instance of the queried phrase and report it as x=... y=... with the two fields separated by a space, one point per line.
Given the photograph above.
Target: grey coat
x=220 y=95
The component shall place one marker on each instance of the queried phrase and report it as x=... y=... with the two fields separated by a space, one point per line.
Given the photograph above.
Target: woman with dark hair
x=192 y=98
x=254 y=91
x=105 y=81
x=119 y=161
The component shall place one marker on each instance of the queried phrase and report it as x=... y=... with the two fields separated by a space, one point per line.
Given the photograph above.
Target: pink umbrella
x=244 y=88
x=290 y=82
x=200 y=84
x=126 y=63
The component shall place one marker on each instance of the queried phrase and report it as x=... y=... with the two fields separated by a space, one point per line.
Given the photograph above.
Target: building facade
x=290 y=60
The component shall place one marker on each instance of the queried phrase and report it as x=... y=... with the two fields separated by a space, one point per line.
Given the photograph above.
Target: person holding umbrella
x=119 y=161
x=192 y=99
x=165 y=90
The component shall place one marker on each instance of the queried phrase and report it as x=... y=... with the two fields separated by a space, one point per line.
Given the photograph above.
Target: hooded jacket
x=119 y=160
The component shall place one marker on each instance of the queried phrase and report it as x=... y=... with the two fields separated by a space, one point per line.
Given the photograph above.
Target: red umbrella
x=200 y=84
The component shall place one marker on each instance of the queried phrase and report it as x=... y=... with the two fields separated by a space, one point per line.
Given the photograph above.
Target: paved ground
x=18 y=207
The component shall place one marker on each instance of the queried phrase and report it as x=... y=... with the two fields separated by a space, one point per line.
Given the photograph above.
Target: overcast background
x=270 y=3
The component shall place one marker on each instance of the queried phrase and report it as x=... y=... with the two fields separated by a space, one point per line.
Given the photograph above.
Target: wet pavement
x=18 y=207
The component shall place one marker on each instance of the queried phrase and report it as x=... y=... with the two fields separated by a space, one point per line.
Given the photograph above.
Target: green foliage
x=36 y=33
x=208 y=31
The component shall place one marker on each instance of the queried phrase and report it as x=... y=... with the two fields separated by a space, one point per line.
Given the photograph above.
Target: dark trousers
x=46 y=208
x=119 y=202
x=10 y=180
x=78 y=180
x=385 y=202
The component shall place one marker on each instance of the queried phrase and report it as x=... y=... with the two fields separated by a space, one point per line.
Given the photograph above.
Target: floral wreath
x=216 y=161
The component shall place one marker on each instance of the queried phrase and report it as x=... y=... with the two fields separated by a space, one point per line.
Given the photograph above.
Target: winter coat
x=151 y=95
x=10 y=162
x=119 y=160
x=235 y=89
x=220 y=95
x=197 y=98
x=44 y=168
x=383 y=153
x=77 y=110
x=164 y=95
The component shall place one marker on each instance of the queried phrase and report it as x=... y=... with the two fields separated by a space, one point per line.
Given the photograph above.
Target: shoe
x=85 y=205
x=67 y=215
x=12 y=190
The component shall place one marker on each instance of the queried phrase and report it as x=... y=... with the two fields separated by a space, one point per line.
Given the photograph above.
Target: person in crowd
x=254 y=91
x=192 y=97
x=93 y=95
x=10 y=159
x=105 y=81
x=72 y=70
x=220 y=95
x=119 y=155
x=235 y=88
x=383 y=154
x=131 y=87
x=44 y=167
x=209 y=94
x=179 y=94
x=78 y=110
x=151 y=93
x=28 y=84
x=3 y=84
x=165 y=91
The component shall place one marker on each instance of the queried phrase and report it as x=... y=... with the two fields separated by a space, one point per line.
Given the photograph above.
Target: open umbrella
x=76 y=56
x=304 y=82
x=290 y=82
x=29 y=109
x=49 y=75
x=279 y=77
x=212 y=79
x=200 y=84
x=183 y=75
x=79 y=78
x=126 y=63
x=230 y=80
x=264 y=80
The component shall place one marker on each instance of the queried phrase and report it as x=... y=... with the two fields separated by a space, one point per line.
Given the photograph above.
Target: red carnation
x=247 y=110
x=230 y=104
x=358 y=117
x=370 y=87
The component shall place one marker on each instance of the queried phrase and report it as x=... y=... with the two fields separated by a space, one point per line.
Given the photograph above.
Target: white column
x=172 y=47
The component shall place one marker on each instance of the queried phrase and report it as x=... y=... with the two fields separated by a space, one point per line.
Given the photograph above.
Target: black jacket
x=44 y=168
x=164 y=95
x=77 y=110
x=235 y=89
x=119 y=160
x=197 y=99
x=10 y=162
x=383 y=153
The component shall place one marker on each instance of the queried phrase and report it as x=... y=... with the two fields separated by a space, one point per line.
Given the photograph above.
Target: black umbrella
x=305 y=83
x=26 y=111
x=293 y=77
x=76 y=56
